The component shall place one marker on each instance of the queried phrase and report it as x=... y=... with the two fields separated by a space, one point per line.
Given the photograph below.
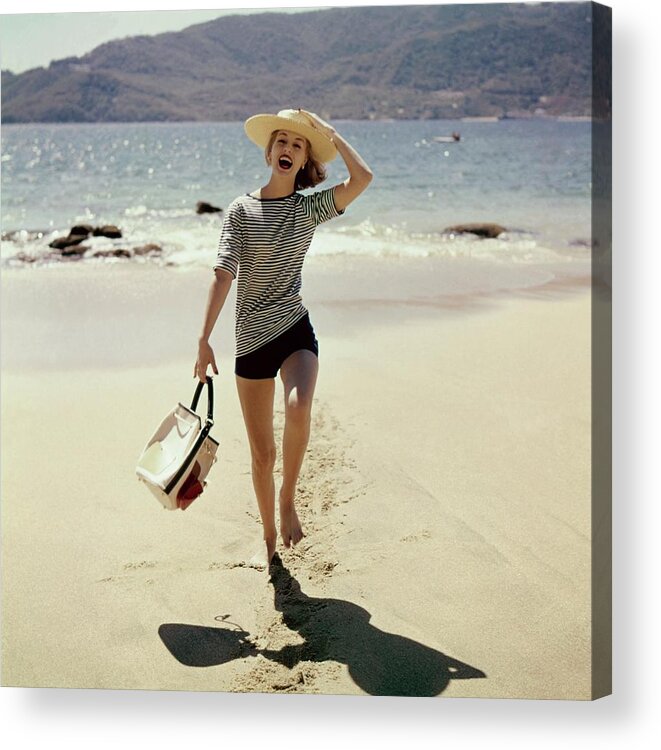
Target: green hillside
x=371 y=62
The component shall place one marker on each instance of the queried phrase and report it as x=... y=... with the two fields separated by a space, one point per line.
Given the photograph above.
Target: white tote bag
x=177 y=458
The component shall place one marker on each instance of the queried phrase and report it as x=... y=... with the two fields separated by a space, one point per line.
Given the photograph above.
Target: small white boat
x=454 y=138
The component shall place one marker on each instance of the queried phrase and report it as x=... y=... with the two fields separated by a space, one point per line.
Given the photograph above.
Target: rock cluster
x=481 y=230
x=78 y=244
x=71 y=247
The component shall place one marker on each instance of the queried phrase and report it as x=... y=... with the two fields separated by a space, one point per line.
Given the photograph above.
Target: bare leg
x=256 y=397
x=299 y=376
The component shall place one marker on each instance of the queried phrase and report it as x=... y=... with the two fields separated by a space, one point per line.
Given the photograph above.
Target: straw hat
x=259 y=128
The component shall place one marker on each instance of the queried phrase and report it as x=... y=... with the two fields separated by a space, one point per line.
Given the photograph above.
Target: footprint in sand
x=139 y=565
x=424 y=534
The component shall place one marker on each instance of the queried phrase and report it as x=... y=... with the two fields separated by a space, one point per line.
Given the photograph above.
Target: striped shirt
x=264 y=242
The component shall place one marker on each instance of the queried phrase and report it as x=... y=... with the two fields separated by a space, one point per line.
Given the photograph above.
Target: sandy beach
x=445 y=495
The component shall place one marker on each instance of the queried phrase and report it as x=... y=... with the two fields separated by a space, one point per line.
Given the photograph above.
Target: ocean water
x=531 y=176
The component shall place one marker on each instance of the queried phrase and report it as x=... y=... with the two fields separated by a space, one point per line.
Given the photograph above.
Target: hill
x=441 y=61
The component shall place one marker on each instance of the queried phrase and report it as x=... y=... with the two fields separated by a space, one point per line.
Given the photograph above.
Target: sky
x=29 y=40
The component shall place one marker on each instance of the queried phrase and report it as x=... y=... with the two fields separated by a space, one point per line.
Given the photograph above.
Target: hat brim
x=260 y=127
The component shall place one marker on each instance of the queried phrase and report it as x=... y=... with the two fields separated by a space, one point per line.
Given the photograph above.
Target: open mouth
x=285 y=162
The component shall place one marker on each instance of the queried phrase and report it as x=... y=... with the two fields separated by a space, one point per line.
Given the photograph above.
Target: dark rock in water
x=149 y=249
x=84 y=229
x=61 y=243
x=481 y=230
x=113 y=253
x=74 y=251
x=81 y=232
x=206 y=208
x=108 y=230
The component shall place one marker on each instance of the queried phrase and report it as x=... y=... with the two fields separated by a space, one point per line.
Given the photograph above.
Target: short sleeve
x=230 y=244
x=320 y=206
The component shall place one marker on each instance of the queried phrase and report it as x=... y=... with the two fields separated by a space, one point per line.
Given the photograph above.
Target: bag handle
x=204 y=432
x=198 y=393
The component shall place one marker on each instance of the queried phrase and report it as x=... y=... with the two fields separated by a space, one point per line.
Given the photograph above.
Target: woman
x=264 y=239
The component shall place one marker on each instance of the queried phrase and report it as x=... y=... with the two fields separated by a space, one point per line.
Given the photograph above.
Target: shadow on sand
x=380 y=663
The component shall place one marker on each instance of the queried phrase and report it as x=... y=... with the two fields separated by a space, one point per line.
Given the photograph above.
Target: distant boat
x=454 y=138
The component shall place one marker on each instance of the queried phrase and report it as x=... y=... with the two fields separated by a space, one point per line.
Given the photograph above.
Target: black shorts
x=267 y=360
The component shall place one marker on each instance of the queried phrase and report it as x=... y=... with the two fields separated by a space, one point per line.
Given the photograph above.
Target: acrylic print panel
x=454 y=492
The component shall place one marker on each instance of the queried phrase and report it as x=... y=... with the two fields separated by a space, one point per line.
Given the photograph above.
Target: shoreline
x=111 y=315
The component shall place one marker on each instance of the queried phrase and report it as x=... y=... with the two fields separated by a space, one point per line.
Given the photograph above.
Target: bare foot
x=290 y=526
x=263 y=557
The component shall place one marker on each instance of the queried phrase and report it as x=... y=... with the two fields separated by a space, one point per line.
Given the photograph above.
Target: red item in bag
x=190 y=489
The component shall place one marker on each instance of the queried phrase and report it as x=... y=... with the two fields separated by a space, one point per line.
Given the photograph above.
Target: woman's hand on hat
x=318 y=124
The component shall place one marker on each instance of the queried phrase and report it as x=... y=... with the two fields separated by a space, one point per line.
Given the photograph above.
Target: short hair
x=309 y=175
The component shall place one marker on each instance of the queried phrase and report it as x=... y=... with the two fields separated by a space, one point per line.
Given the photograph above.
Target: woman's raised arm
x=360 y=175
